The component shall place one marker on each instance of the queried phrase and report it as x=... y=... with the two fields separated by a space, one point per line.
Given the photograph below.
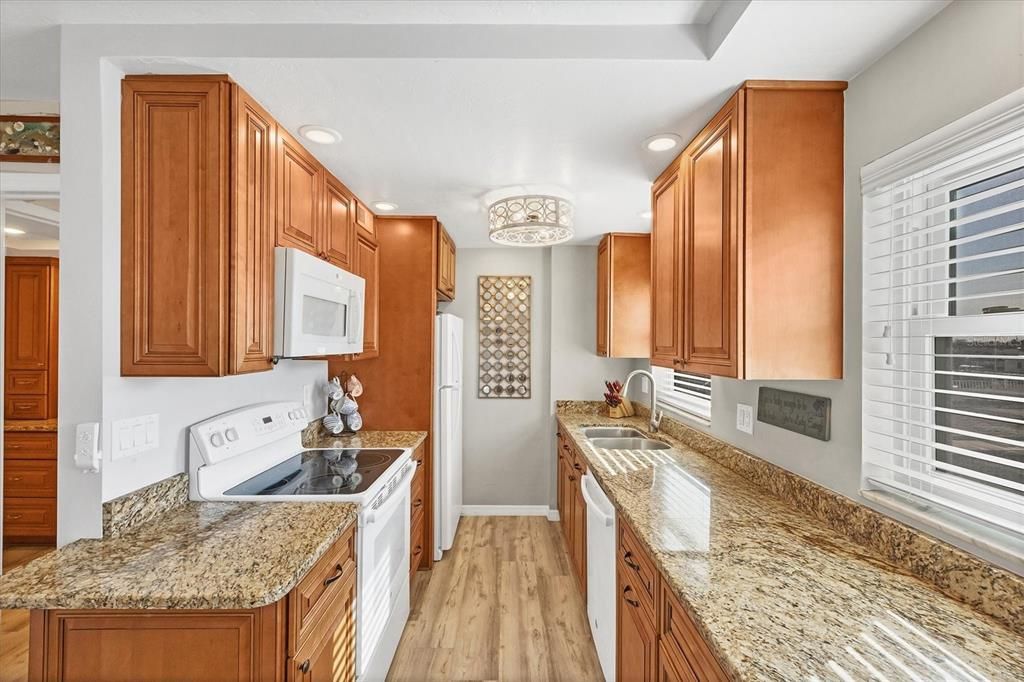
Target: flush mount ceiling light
x=662 y=142
x=320 y=134
x=13 y=230
x=385 y=206
x=529 y=219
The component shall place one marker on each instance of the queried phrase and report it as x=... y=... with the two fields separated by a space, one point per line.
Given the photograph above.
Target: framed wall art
x=504 y=363
x=34 y=139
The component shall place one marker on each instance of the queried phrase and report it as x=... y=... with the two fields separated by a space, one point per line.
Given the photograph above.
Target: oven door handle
x=397 y=497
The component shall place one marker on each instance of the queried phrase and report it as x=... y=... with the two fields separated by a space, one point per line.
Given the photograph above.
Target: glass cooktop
x=321 y=472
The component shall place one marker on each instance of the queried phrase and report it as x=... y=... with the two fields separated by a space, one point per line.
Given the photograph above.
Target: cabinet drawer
x=30 y=518
x=312 y=597
x=638 y=565
x=25 y=407
x=678 y=632
x=30 y=478
x=416 y=504
x=30 y=445
x=26 y=382
x=416 y=546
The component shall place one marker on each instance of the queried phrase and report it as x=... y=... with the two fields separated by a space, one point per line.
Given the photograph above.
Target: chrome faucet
x=656 y=416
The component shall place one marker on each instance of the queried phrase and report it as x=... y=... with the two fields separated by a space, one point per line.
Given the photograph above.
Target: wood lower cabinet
x=636 y=637
x=747 y=239
x=624 y=295
x=445 y=265
x=30 y=337
x=572 y=508
x=244 y=645
x=30 y=488
x=417 y=507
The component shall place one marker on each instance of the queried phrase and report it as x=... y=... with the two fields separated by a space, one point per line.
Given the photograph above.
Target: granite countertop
x=779 y=595
x=316 y=437
x=20 y=425
x=199 y=555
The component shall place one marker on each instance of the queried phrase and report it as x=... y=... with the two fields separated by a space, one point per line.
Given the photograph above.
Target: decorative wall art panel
x=504 y=364
x=30 y=138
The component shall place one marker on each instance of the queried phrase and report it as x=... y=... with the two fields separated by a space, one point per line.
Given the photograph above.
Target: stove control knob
x=216 y=440
x=293 y=414
x=231 y=434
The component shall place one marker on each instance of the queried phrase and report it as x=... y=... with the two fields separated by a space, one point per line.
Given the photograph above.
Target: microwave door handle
x=355 y=332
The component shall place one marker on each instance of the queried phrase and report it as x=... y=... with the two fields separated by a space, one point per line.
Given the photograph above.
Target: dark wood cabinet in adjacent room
x=30 y=337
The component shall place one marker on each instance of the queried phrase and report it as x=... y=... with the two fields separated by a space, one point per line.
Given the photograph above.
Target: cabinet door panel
x=711 y=248
x=339 y=227
x=252 y=237
x=27 y=330
x=333 y=657
x=636 y=639
x=367 y=266
x=174 y=192
x=299 y=195
x=666 y=273
x=604 y=256
x=580 y=534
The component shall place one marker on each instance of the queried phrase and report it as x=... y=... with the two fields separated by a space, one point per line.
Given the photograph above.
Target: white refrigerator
x=447 y=453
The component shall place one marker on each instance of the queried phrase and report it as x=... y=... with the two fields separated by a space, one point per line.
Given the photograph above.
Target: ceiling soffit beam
x=41 y=214
x=412 y=41
x=721 y=24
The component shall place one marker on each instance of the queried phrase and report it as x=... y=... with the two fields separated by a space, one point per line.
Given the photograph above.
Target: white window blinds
x=684 y=391
x=943 y=327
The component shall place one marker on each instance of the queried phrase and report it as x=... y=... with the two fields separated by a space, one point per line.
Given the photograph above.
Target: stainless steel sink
x=611 y=432
x=629 y=444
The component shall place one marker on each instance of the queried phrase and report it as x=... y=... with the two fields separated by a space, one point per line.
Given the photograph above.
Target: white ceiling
x=40 y=220
x=434 y=134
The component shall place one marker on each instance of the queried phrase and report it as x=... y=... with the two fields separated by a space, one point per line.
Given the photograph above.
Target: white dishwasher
x=601 y=595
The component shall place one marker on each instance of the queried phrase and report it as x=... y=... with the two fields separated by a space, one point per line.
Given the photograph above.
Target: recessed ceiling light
x=385 y=206
x=662 y=142
x=647 y=215
x=320 y=134
x=13 y=230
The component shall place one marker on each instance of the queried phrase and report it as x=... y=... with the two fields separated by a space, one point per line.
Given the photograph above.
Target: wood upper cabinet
x=666 y=270
x=174 y=216
x=365 y=220
x=445 y=265
x=367 y=265
x=624 y=295
x=757 y=201
x=338 y=227
x=254 y=154
x=299 y=191
x=711 y=247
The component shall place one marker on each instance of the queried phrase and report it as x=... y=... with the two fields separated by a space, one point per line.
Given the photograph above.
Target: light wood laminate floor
x=503 y=604
x=14 y=624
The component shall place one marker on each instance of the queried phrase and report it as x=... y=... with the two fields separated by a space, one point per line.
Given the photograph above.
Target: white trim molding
x=507 y=510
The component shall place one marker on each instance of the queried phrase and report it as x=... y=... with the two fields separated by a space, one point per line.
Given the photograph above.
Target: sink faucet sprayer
x=656 y=416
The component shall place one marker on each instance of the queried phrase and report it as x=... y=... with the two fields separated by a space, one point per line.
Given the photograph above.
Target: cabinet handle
x=571 y=477
x=576 y=466
x=418 y=502
x=338 y=570
x=15 y=479
x=14 y=517
x=304 y=668
x=632 y=602
x=629 y=562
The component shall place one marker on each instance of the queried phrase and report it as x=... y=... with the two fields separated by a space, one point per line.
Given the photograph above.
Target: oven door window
x=321 y=317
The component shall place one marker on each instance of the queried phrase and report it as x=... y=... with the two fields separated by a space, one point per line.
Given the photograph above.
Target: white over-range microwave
x=318 y=307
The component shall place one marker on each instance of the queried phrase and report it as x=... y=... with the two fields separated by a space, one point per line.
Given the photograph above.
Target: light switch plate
x=134 y=435
x=744 y=418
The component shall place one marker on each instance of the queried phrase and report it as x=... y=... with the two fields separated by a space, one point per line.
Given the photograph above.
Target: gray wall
x=968 y=55
x=508 y=445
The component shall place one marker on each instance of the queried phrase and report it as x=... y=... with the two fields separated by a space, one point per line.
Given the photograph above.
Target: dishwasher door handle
x=607 y=519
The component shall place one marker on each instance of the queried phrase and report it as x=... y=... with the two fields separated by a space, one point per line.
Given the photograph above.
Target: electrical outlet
x=744 y=418
x=645 y=385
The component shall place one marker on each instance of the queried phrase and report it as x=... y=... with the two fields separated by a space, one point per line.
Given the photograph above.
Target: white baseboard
x=553 y=515
x=508 y=510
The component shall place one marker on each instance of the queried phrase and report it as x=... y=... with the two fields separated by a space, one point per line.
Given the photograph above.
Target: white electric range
x=255 y=454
